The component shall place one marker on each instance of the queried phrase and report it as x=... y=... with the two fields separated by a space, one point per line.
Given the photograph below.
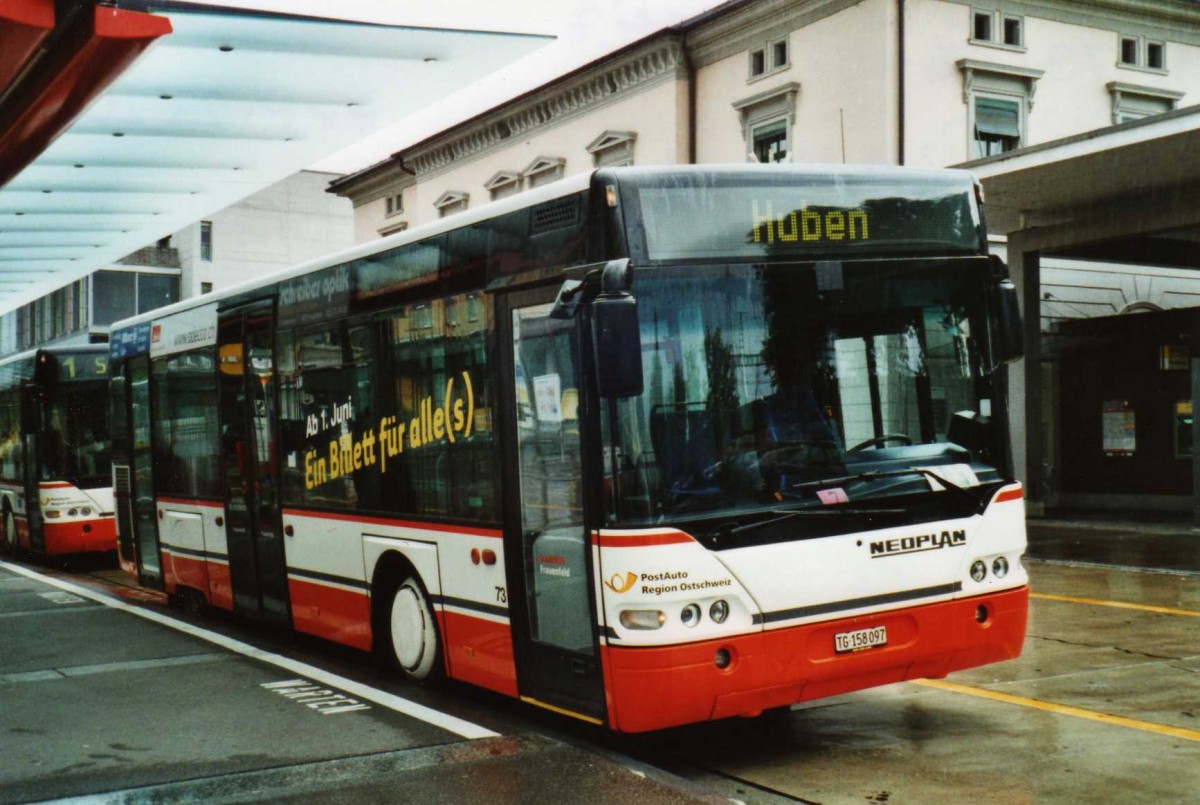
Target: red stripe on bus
x=1010 y=494
x=479 y=651
x=211 y=504
x=185 y=571
x=783 y=666
x=640 y=540
x=220 y=588
x=55 y=485
x=334 y=613
x=357 y=518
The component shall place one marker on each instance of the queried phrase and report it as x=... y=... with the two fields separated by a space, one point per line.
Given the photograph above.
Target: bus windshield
x=76 y=443
x=764 y=381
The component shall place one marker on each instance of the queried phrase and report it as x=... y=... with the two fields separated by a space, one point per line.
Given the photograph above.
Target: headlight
x=978 y=570
x=690 y=616
x=85 y=511
x=643 y=618
x=1000 y=567
x=72 y=512
x=719 y=611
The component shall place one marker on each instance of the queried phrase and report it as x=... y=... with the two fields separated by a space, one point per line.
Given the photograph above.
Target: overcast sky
x=584 y=30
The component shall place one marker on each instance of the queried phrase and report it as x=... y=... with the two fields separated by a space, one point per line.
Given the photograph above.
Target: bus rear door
x=248 y=412
x=549 y=560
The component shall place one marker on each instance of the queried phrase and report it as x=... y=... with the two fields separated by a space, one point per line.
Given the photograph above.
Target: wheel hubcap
x=408 y=628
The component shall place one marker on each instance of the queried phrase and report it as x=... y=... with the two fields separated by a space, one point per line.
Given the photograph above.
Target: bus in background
x=647 y=446
x=55 y=476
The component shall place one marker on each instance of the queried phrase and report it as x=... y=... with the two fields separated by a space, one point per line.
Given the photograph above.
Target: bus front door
x=551 y=600
x=248 y=411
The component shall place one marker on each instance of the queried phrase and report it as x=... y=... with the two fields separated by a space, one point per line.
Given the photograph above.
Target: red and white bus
x=647 y=446
x=55 y=482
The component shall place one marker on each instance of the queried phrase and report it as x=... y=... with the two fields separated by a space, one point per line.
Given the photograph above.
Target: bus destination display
x=813 y=222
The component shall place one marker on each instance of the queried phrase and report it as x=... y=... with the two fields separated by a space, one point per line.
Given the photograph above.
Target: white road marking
x=398 y=704
x=60 y=598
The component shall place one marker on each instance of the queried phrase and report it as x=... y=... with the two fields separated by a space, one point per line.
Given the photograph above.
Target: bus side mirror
x=1008 y=337
x=616 y=334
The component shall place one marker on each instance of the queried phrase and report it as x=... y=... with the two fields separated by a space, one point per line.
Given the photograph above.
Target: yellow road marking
x=1118 y=604
x=562 y=711
x=1062 y=709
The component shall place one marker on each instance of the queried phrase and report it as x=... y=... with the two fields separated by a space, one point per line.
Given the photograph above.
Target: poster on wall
x=1119 y=428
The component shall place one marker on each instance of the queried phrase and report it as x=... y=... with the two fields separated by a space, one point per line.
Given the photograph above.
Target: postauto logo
x=621 y=584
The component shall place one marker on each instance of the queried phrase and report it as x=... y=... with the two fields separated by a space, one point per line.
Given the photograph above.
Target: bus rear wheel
x=413 y=630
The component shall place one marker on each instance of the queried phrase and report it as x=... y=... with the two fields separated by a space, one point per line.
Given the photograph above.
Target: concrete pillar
x=1025 y=402
x=1195 y=372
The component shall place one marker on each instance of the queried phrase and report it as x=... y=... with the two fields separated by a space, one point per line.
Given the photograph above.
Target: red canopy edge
x=65 y=83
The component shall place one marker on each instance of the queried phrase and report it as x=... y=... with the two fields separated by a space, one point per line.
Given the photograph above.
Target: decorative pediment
x=774 y=102
x=543 y=164
x=993 y=77
x=451 y=198
x=610 y=139
x=502 y=179
x=1140 y=99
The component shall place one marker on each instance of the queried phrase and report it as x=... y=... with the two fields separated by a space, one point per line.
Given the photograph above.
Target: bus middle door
x=248 y=411
x=549 y=558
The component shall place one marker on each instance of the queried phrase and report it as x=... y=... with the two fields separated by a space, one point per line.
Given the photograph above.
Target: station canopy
x=1125 y=193
x=121 y=123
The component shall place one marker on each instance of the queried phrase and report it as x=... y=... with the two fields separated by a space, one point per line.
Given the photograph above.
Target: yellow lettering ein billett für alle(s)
x=448 y=422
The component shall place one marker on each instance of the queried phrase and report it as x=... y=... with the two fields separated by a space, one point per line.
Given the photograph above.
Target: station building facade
x=929 y=83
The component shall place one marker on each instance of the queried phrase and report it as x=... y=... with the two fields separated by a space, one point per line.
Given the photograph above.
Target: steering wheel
x=880 y=441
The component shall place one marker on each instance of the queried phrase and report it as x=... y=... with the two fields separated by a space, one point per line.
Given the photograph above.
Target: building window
x=769 y=141
x=997 y=29
x=503 y=184
x=395 y=204
x=997 y=126
x=982 y=31
x=1013 y=31
x=206 y=241
x=544 y=170
x=758 y=62
x=1133 y=102
x=206 y=287
x=770 y=58
x=767 y=120
x=1140 y=53
x=612 y=149
x=118 y=295
x=1156 y=55
x=451 y=201
x=114 y=296
x=999 y=98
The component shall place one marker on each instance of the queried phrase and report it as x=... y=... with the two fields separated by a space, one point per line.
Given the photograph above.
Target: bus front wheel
x=413 y=630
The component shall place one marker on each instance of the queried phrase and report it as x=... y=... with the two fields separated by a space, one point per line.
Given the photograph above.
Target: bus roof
x=549 y=192
x=563 y=187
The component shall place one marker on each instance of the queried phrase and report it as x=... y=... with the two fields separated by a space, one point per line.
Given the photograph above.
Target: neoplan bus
x=55 y=476
x=647 y=446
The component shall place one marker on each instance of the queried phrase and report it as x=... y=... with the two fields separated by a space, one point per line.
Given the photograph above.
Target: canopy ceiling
x=221 y=104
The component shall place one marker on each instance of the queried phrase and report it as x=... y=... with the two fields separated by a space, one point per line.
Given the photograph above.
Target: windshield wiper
x=872 y=475
x=788 y=514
